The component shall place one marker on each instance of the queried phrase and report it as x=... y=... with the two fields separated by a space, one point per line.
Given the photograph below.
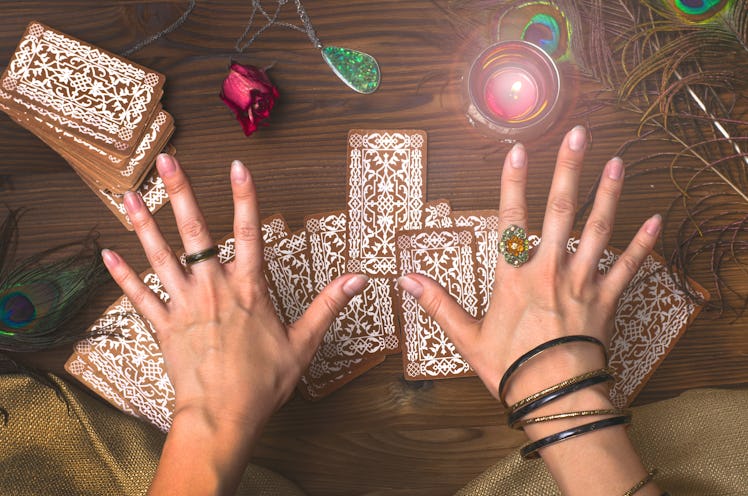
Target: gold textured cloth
x=81 y=446
x=698 y=442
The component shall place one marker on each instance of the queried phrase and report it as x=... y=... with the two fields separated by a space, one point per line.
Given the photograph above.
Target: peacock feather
x=40 y=295
x=681 y=67
x=546 y=24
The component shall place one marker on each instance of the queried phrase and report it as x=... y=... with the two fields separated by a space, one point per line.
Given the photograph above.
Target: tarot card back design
x=367 y=325
x=386 y=182
x=485 y=224
x=94 y=94
x=447 y=256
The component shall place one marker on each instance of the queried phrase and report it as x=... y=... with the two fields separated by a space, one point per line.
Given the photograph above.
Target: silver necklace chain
x=272 y=20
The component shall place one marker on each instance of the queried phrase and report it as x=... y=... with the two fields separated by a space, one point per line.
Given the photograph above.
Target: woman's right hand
x=554 y=294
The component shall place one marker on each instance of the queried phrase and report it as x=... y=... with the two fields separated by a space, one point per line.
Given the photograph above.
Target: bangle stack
x=574 y=338
x=517 y=413
x=541 y=398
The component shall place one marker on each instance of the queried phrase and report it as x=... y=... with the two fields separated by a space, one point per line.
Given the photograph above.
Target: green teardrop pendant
x=358 y=70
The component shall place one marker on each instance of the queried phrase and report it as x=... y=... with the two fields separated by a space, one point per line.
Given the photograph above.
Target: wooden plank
x=379 y=435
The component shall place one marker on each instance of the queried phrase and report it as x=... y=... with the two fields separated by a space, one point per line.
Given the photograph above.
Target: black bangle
x=530 y=451
x=558 y=391
x=574 y=338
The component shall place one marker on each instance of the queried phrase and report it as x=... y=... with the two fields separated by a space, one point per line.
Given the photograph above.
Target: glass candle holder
x=513 y=91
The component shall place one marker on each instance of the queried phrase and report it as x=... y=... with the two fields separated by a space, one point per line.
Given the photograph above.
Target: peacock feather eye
x=539 y=22
x=698 y=10
x=16 y=310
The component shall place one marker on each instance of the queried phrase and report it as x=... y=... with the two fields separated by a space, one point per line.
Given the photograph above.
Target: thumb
x=306 y=333
x=459 y=326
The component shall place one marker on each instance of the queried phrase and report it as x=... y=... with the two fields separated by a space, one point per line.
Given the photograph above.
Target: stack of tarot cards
x=99 y=111
x=387 y=230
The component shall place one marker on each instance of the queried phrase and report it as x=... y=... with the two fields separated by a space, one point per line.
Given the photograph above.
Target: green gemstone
x=358 y=70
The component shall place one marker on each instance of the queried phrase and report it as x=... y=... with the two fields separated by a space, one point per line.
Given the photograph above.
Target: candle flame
x=515 y=89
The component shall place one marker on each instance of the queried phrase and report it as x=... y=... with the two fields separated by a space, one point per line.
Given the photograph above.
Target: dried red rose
x=250 y=94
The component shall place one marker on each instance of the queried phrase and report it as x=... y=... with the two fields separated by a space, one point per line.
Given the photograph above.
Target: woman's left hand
x=230 y=359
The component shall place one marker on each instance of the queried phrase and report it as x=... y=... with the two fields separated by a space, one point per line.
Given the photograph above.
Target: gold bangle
x=559 y=386
x=552 y=393
x=641 y=483
x=559 y=416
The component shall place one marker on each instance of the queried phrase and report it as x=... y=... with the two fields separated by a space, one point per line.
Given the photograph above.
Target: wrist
x=592 y=398
x=221 y=437
x=551 y=367
x=203 y=455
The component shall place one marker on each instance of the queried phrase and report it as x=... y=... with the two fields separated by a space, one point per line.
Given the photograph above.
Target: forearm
x=602 y=462
x=202 y=458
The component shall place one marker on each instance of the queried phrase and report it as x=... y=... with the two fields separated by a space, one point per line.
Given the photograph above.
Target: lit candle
x=513 y=88
x=511 y=94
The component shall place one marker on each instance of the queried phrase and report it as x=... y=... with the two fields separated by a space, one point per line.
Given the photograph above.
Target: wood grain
x=380 y=434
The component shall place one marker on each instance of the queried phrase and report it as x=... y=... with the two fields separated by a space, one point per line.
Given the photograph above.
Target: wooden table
x=380 y=434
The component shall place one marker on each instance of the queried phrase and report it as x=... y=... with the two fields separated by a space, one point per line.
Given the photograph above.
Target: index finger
x=247 y=230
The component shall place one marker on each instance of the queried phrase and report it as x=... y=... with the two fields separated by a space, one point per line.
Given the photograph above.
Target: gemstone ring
x=514 y=245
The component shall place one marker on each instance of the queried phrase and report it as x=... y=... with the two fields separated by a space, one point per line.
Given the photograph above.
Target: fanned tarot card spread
x=125 y=355
x=485 y=224
x=447 y=256
x=386 y=231
x=437 y=213
x=386 y=182
x=96 y=95
x=367 y=325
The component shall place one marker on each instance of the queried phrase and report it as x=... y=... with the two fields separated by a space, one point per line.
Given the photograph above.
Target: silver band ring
x=514 y=245
x=201 y=256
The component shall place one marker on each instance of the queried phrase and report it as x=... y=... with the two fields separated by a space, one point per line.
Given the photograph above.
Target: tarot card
x=274 y=228
x=437 y=214
x=324 y=377
x=485 y=224
x=97 y=168
x=288 y=270
x=152 y=190
x=88 y=373
x=448 y=256
x=367 y=324
x=93 y=94
x=386 y=181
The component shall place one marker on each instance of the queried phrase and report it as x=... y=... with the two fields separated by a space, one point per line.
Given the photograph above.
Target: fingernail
x=411 y=286
x=239 y=173
x=166 y=165
x=133 y=201
x=110 y=258
x=653 y=225
x=577 y=138
x=355 y=285
x=517 y=156
x=615 y=168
